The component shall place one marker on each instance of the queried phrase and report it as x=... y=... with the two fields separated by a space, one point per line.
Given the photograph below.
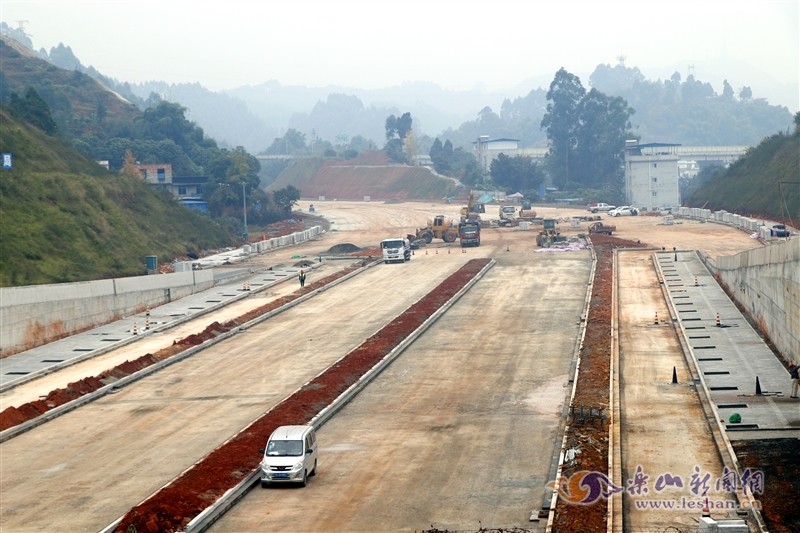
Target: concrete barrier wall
x=37 y=314
x=34 y=315
x=764 y=281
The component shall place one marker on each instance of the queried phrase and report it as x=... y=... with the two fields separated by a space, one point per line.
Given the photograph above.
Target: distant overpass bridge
x=723 y=154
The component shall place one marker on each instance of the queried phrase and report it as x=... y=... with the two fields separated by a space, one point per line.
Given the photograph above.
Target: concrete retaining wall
x=34 y=315
x=764 y=281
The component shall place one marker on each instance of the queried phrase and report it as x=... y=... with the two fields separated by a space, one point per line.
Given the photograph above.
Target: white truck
x=508 y=215
x=397 y=249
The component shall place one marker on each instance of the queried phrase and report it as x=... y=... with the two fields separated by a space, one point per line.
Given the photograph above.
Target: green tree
x=292 y=143
x=34 y=110
x=286 y=198
x=600 y=140
x=560 y=122
x=518 y=173
x=397 y=129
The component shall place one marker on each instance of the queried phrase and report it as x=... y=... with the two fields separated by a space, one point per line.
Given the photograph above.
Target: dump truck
x=509 y=216
x=469 y=232
x=438 y=228
x=599 y=227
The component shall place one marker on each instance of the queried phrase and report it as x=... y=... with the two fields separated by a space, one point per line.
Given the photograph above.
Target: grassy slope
x=63 y=218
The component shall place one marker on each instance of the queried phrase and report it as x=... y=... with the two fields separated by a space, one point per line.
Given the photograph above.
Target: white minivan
x=290 y=456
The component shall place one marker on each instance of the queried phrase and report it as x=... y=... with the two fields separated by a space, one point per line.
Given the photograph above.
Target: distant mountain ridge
x=253 y=116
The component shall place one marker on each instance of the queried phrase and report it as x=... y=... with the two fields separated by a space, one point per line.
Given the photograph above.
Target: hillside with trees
x=764 y=183
x=63 y=218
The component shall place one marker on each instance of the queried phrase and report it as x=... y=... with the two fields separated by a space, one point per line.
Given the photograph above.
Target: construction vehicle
x=472 y=209
x=510 y=217
x=549 y=234
x=600 y=228
x=438 y=228
x=469 y=232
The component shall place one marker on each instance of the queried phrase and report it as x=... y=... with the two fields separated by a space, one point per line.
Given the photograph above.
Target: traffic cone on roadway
x=135 y=329
x=674 y=375
x=706 y=512
x=147 y=323
x=718 y=323
x=656 y=321
x=758 y=387
x=448 y=250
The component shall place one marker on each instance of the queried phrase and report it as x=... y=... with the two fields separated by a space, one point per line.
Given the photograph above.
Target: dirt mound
x=344 y=248
x=373 y=175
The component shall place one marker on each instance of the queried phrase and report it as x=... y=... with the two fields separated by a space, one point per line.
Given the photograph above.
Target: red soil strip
x=12 y=416
x=592 y=391
x=178 y=503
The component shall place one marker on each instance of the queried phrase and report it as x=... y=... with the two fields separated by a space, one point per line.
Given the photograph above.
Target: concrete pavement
x=731 y=361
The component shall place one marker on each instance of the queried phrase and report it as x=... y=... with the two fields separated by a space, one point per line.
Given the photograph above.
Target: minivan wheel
x=264 y=484
x=305 y=478
x=314 y=471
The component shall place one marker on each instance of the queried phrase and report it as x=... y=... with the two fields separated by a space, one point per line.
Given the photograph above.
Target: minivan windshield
x=283 y=448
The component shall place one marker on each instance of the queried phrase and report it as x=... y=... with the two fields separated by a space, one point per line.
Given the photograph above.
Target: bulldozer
x=439 y=228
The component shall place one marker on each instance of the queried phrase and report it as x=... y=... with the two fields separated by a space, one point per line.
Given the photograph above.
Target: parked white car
x=624 y=210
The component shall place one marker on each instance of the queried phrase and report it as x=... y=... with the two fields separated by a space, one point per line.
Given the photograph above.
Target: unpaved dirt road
x=459 y=431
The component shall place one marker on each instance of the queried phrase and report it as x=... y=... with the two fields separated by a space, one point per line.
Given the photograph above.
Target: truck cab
x=397 y=249
x=469 y=232
x=508 y=214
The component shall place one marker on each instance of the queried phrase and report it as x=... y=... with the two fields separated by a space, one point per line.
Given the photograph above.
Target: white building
x=651 y=175
x=486 y=150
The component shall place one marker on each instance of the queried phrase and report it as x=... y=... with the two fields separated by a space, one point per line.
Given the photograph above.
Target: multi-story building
x=486 y=150
x=188 y=189
x=651 y=175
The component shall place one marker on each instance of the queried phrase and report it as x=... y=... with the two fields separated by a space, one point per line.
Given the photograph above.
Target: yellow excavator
x=471 y=210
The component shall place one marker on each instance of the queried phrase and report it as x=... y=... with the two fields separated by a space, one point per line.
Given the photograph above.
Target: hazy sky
x=461 y=44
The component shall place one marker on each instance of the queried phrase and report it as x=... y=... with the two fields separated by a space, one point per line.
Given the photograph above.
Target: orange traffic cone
x=656 y=322
x=718 y=323
x=695 y=281
x=706 y=512
x=147 y=323
x=135 y=329
x=448 y=250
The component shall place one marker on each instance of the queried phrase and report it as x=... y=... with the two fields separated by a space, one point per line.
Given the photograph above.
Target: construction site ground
x=461 y=432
